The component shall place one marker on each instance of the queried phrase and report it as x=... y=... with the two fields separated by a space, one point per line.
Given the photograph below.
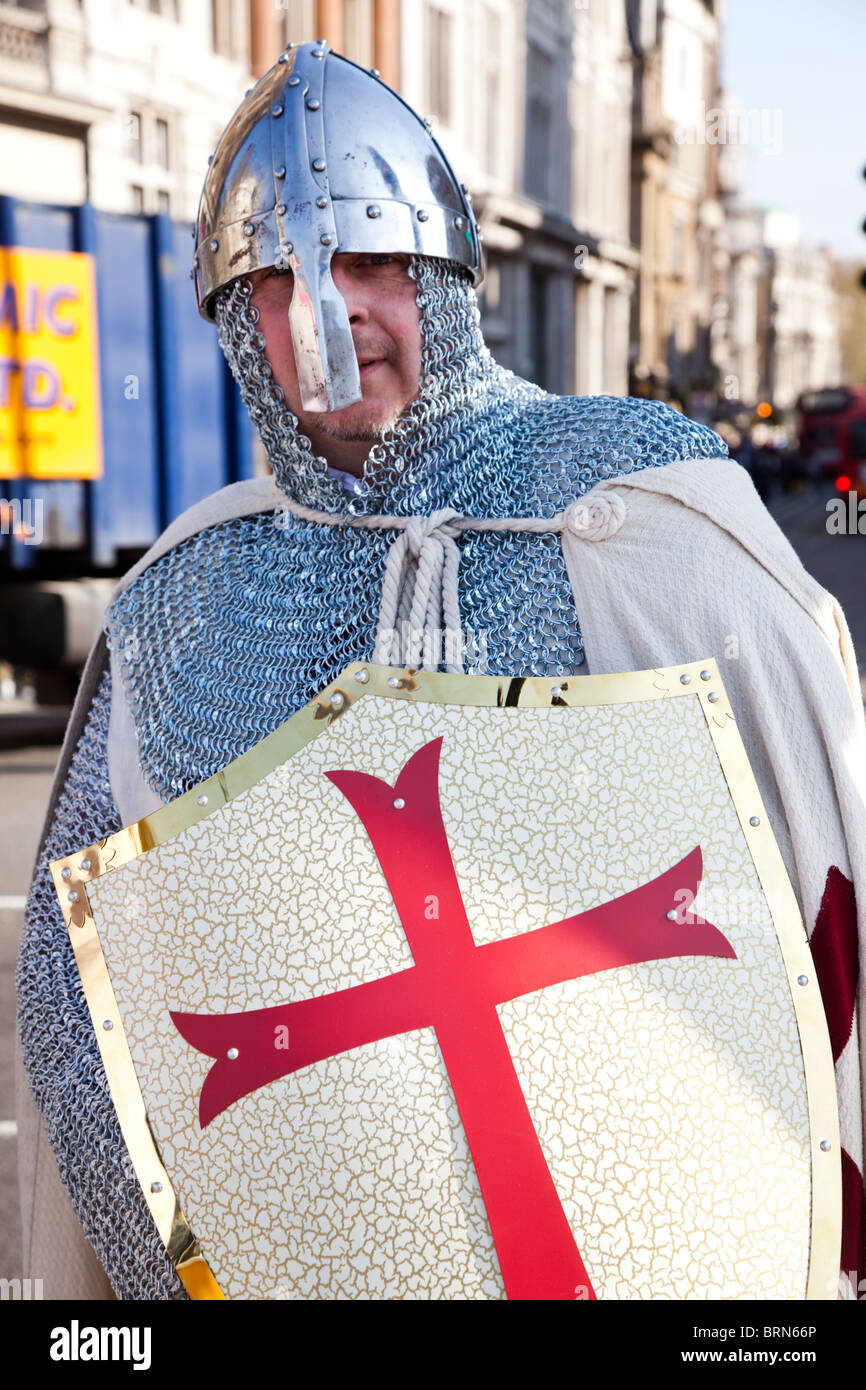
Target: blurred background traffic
x=671 y=200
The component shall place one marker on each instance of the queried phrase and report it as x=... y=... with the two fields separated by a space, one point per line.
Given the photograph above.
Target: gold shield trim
x=699 y=680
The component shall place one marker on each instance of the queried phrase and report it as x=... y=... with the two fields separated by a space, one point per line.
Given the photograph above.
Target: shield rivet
x=556 y=691
x=321 y=202
x=294 y=80
x=685 y=679
x=399 y=803
x=705 y=675
x=85 y=864
x=754 y=820
x=248 y=229
x=362 y=677
x=313 y=104
x=276 y=109
x=214 y=246
x=66 y=873
x=107 y=1025
x=336 y=700
x=156 y=1187
x=423 y=215
x=713 y=696
x=826 y=1145
x=459 y=223
x=802 y=979
x=201 y=799
x=232 y=1054
x=325 y=239
x=394 y=682
x=281 y=208
x=374 y=210
x=319 y=166
x=73 y=896
x=671 y=914
x=281 y=172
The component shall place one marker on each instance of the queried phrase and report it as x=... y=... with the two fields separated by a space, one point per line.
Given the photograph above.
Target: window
x=437 y=27
x=357 y=36
x=490 y=89
x=133 y=135
x=539 y=123
x=137 y=198
x=538 y=325
x=163 y=200
x=160 y=151
x=222 y=36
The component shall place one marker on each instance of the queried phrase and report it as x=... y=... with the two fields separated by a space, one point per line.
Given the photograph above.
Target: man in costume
x=417 y=487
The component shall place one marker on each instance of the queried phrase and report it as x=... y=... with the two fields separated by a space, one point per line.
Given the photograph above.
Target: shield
x=470 y=987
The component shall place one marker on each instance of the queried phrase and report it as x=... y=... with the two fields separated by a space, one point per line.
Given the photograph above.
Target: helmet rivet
x=319 y=166
x=294 y=80
x=374 y=210
x=313 y=104
x=276 y=109
x=465 y=187
x=247 y=92
x=210 y=159
x=422 y=215
x=214 y=245
x=321 y=202
x=281 y=172
x=325 y=239
x=289 y=47
x=283 y=58
x=459 y=223
x=374 y=72
x=317 y=53
x=195 y=261
x=192 y=275
x=321 y=42
x=248 y=229
x=281 y=208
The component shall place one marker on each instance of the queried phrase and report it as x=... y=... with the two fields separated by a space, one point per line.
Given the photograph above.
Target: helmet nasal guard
x=322 y=156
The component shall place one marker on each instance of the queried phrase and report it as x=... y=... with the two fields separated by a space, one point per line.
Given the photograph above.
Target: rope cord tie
x=419 y=585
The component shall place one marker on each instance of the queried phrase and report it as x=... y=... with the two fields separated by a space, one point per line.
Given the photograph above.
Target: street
x=838 y=562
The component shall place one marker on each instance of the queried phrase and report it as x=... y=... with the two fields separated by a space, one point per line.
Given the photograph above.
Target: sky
x=806 y=58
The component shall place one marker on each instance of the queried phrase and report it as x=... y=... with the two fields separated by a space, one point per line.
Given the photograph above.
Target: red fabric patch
x=834 y=951
x=853 y=1223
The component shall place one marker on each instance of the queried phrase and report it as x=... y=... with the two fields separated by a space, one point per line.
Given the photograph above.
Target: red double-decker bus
x=831 y=426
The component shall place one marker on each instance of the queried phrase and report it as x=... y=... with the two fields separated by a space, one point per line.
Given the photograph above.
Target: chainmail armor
x=286 y=607
x=232 y=631
x=61 y=1054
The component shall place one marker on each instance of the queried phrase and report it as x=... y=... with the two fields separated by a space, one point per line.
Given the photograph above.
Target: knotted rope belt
x=419 y=588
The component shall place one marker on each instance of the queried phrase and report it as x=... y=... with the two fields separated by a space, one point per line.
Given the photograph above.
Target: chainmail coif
x=235 y=629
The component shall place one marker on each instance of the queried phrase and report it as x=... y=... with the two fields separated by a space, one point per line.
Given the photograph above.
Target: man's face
x=386 y=329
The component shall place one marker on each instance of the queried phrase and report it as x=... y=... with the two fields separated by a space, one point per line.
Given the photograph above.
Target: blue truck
x=173 y=430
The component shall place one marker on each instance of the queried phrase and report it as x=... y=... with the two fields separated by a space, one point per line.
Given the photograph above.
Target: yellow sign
x=50 y=420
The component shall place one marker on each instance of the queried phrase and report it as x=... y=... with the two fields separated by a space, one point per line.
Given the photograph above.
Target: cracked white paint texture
x=669 y=1097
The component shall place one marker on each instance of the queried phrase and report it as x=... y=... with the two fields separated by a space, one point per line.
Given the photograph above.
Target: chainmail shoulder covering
x=61 y=1054
x=236 y=628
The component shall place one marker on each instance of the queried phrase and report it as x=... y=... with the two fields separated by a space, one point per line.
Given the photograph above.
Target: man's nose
x=354 y=291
